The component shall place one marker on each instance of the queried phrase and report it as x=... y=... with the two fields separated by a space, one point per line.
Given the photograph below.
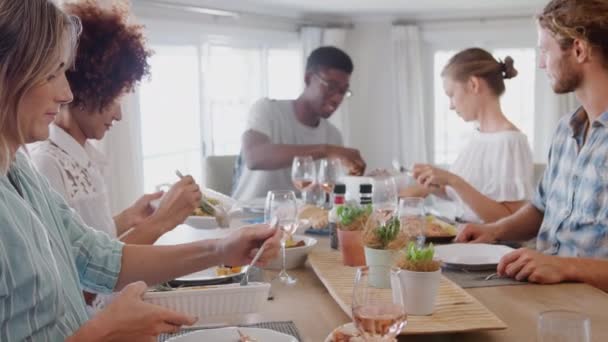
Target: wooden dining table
x=315 y=313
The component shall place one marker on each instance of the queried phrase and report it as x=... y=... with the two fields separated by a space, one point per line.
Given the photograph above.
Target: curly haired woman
x=111 y=58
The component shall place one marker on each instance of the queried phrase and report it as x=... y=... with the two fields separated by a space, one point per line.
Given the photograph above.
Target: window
x=198 y=98
x=451 y=132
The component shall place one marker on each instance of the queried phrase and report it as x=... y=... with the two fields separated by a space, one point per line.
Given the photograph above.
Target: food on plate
x=227 y=270
x=291 y=243
x=438 y=228
x=204 y=209
x=342 y=335
x=316 y=216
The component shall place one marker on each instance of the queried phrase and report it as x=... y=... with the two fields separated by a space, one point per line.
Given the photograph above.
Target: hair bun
x=508 y=68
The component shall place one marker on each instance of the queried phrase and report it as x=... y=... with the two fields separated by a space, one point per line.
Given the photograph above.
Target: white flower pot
x=416 y=291
x=379 y=277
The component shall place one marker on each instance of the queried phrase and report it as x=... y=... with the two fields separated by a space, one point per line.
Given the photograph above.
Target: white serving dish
x=471 y=256
x=209 y=276
x=295 y=256
x=213 y=300
x=231 y=334
x=209 y=222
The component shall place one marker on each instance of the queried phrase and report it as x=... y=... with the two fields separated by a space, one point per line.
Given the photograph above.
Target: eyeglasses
x=333 y=88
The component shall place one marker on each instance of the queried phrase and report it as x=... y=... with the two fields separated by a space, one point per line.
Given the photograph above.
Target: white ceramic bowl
x=294 y=256
x=214 y=300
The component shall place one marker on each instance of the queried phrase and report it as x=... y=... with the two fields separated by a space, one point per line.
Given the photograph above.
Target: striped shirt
x=573 y=193
x=47 y=256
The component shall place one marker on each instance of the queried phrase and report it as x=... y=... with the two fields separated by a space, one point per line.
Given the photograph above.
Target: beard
x=567 y=79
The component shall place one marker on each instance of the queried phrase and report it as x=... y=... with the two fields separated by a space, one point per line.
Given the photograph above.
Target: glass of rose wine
x=330 y=171
x=303 y=174
x=375 y=315
x=282 y=205
x=385 y=197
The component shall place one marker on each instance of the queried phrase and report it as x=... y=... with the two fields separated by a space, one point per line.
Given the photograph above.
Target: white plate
x=230 y=334
x=471 y=256
x=208 y=276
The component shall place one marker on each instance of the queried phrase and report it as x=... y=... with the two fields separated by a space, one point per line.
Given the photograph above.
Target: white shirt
x=76 y=172
x=499 y=165
x=277 y=120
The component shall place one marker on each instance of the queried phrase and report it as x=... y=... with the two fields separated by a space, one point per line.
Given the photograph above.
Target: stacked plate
x=471 y=256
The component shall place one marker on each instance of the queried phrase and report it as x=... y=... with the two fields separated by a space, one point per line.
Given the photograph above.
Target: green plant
x=349 y=214
x=388 y=232
x=418 y=259
x=417 y=254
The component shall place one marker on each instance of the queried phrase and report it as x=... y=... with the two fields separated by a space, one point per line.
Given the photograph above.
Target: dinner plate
x=471 y=256
x=231 y=334
x=207 y=277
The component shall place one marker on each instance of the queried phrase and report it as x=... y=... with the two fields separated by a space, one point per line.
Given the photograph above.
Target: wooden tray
x=456 y=310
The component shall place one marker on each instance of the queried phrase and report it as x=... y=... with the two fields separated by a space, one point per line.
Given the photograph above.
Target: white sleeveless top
x=499 y=165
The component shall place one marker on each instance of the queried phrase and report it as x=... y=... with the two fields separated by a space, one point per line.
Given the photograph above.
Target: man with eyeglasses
x=279 y=130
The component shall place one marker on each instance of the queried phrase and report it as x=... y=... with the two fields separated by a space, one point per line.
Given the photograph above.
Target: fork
x=245 y=338
x=492 y=276
x=221 y=217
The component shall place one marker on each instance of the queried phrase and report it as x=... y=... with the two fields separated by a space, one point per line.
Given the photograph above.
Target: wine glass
x=375 y=315
x=330 y=171
x=282 y=205
x=384 y=197
x=562 y=326
x=411 y=216
x=303 y=174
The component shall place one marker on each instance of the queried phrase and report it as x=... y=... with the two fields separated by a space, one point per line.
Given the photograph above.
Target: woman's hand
x=240 y=247
x=178 y=203
x=136 y=213
x=128 y=318
x=429 y=176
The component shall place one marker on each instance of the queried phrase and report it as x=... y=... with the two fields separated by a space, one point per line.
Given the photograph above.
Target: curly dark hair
x=111 y=58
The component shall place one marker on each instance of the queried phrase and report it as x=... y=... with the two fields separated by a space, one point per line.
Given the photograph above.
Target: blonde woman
x=46 y=253
x=492 y=176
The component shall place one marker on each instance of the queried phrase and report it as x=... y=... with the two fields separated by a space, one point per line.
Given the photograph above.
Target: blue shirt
x=47 y=256
x=573 y=193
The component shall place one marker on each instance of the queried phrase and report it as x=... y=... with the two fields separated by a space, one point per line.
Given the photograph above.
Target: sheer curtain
x=314 y=37
x=123 y=151
x=408 y=85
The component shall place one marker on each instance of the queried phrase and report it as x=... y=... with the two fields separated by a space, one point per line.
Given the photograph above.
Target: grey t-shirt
x=277 y=120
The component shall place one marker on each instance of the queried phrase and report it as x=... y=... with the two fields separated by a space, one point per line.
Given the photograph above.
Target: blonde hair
x=568 y=20
x=35 y=34
x=480 y=63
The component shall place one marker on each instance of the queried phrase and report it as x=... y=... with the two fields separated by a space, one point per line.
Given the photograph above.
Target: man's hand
x=350 y=157
x=527 y=264
x=240 y=247
x=477 y=233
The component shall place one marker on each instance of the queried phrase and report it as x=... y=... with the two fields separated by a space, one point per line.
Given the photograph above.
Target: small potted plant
x=382 y=239
x=415 y=280
x=351 y=221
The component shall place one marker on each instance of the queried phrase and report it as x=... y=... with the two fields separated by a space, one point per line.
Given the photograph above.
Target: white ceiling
x=370 y=8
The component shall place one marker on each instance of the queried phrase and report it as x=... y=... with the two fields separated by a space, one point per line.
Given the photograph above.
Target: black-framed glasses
x=332 y=88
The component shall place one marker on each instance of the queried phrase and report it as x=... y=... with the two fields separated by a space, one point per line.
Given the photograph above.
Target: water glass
x=563 y=326
x=282 y=205
x=412 y=218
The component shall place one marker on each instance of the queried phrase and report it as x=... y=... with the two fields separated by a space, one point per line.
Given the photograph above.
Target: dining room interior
x=421 y=170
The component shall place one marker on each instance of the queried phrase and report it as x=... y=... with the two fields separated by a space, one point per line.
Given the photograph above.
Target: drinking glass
x=563 y=326
x=412 y=218
x=303 y=174
x=282 y=205
x=330 y=171
x=375 y=315
x=384 y=197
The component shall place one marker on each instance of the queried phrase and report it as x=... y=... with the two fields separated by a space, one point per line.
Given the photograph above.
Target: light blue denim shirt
x=47 y=256
x=573 y=193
